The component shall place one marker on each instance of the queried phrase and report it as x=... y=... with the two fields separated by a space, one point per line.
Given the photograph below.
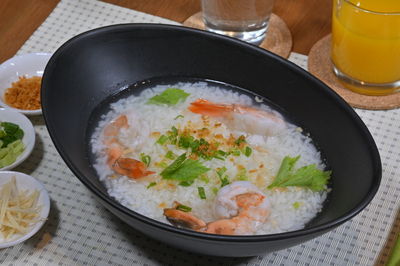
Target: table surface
x=79 y=231
x=308 y=20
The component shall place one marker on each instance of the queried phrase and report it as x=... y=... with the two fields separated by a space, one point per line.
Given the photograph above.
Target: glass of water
x=246 y=20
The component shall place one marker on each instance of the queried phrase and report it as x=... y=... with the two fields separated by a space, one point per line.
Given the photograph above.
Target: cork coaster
x=278 y=40
x=320 y=65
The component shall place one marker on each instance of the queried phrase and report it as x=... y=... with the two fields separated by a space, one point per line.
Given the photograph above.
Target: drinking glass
x=366 y=45
x=246 y=20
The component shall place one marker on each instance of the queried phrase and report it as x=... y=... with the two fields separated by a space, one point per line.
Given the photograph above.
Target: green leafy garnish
x=152 y=184
x=308 y=176
x=183 y=208
x=11 y=145
x=202 y=193
x=145 y=158
x=9 y=132
x=183 y=169
x=170 y=96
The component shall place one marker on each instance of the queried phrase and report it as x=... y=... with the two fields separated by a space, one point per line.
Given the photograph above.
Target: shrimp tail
x=205 y=107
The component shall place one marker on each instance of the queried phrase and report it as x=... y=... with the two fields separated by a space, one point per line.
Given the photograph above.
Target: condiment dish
x=28 y=65
x=26 y=182
x=28 y=139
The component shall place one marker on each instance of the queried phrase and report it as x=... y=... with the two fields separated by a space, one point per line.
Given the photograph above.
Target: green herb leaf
x=170 y=96
x=183 y=208
x=183 y=169
x=152 y=184
x=308 y=176
x=202 y=193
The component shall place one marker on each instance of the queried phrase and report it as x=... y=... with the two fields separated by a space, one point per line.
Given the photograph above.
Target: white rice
x=291 y=208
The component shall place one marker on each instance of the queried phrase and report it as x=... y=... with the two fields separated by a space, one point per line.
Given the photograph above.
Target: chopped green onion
x=224 y=181
x=145 y=158
x=183 y=208
x=240 y=140
x=204 y=178
x=152 y=184
x=215 y=190
x=221 y=171
x=170 y=155
x=162 y=164
x=296 y=205
x=178 y=116
x=248 y=151
x=236 y=153
x=162 y=139
x=241 y=175
x=202 y=193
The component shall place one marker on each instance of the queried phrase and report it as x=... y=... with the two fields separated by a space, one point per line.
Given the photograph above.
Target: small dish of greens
x=17 y=138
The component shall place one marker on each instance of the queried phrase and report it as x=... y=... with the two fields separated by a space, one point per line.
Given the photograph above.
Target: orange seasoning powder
x=24 y=94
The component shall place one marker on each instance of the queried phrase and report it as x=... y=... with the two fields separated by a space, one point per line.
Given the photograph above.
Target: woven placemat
x=278 y=40
x=320 y=64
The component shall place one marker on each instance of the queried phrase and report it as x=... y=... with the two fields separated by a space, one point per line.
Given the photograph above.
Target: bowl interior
x=95 y=66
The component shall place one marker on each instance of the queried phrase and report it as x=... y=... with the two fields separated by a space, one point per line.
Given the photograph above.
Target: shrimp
x=241 y=208
x=241 y=118
x=124 y=166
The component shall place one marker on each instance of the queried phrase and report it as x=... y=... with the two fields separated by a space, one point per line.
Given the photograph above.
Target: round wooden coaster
x=320 y=65
x=278 y=40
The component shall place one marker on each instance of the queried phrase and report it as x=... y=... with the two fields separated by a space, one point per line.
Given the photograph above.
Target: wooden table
x=308 y=20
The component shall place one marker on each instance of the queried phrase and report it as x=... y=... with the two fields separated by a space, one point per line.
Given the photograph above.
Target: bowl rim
x=20 y=57
x=31 y=133
x=213 y=237
x=46 y=209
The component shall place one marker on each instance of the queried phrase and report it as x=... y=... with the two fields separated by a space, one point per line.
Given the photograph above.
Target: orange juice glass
x=366 y=45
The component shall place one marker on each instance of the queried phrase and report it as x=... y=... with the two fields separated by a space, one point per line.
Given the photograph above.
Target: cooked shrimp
x=240 y=117
x=241 y=208
x=183 y=219
x=124 y=166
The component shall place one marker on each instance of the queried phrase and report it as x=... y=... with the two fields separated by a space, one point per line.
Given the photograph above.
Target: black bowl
x=94 y=66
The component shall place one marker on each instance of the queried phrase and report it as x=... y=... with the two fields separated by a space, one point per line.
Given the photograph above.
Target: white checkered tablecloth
x=83 y=232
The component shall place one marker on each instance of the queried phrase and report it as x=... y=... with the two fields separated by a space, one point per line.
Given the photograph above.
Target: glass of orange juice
x=366 y=45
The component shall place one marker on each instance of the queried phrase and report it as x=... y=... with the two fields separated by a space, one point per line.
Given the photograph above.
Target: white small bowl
x=29 y=134
x=28 y=65
x=26 y=182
